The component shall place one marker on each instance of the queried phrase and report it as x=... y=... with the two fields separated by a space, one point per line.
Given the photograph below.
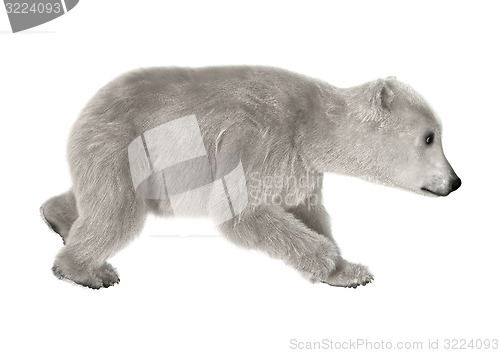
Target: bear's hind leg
x=109 y=226
x=60 y=212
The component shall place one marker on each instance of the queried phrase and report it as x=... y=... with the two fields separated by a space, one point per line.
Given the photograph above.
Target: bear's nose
x=456 y=184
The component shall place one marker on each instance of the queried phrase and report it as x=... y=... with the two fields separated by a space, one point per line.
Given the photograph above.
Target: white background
x=435 y=259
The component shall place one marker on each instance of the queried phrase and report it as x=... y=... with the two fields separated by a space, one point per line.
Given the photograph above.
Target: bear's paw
x=347 y=274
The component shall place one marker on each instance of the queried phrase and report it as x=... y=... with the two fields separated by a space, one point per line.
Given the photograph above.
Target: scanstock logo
x=26 y=14
x=170 y=162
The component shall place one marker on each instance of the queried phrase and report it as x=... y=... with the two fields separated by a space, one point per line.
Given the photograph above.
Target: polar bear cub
x=248 y=147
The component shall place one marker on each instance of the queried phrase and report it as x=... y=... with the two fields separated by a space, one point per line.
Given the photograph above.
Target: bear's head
x=387 y=133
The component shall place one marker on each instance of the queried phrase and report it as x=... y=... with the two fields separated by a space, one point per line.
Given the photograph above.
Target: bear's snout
x=441 y=188
x=455 y=184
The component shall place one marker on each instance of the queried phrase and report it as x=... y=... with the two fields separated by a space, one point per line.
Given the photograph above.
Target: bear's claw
x=349 y=275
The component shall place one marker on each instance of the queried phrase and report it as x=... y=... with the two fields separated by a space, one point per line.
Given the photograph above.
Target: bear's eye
x=429 y=139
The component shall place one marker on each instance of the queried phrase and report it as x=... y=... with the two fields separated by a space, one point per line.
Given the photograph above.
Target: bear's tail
x=59 y=212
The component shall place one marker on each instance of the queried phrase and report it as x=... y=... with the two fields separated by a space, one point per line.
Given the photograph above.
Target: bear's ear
x=383 y=94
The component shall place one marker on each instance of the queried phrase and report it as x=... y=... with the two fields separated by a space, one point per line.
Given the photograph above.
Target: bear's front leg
x=314 y=216
x=346 y=274
x=281 y=235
